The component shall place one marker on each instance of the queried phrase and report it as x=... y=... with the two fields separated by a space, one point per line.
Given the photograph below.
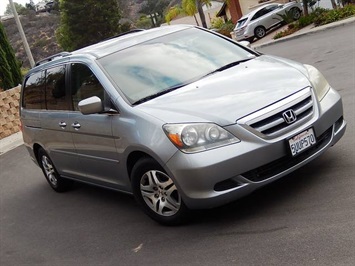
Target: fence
x=9 y=112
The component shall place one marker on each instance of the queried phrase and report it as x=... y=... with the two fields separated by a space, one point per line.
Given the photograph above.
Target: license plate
x=302 y=141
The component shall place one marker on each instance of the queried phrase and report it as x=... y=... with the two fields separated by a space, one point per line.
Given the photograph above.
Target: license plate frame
x=302 y=141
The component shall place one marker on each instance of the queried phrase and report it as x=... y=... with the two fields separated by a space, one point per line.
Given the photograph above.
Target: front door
x=92 y=134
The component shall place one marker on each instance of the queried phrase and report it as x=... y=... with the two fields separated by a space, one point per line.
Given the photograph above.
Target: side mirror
x=91 y=105
x=245 y=43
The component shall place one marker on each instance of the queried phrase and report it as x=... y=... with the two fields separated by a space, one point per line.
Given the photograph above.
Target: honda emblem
x=289 y=116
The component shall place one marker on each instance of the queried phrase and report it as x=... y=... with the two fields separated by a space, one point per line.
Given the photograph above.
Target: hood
x=227 y=96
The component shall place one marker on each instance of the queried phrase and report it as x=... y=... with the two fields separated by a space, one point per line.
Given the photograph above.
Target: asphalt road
x=307 y=218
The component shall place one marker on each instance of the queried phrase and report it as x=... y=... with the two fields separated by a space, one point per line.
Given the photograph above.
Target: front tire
x=296 y=13
x=56 y=182
x=156 y=193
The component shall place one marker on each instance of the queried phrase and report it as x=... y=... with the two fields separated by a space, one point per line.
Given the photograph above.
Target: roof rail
x=50 y=58
x=124 y=33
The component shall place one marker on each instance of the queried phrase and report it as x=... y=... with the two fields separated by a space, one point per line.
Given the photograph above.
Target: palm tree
x=190 y=8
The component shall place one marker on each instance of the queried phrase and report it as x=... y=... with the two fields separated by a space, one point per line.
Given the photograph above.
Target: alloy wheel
x=49 y=170
x=260 y=32
x=160 y=193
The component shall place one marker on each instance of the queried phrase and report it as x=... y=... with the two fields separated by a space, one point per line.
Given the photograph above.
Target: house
x=41 y=6
x=44 y=6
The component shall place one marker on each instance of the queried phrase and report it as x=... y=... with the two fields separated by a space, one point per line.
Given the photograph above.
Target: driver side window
x=84 y=84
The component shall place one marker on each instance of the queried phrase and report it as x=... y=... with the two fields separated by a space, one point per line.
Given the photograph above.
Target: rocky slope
x=40 y=31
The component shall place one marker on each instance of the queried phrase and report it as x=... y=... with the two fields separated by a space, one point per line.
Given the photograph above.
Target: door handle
x=62 y=124
x=76 y=125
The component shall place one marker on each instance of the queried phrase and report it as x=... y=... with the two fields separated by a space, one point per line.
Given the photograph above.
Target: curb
x=311 y=31
x=10 y=142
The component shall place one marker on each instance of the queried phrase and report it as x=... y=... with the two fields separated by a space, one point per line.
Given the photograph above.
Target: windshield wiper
x=149 y=97
x=235 y=63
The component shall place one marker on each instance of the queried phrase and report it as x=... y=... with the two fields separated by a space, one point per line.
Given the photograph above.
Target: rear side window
x=34 y=92
x=259 y=14
x=84 y=84
x=55 y=89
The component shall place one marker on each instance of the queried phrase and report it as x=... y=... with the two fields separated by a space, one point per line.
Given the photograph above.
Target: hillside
x=40 y=31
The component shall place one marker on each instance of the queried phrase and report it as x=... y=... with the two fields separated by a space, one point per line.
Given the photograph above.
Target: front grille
x=270 y=121
x=276 y=122
x=271 y=169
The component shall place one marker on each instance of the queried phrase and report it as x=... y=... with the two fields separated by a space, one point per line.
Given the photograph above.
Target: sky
x=3 y=4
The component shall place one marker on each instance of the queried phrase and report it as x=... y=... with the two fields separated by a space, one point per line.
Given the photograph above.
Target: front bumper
x=216 y=177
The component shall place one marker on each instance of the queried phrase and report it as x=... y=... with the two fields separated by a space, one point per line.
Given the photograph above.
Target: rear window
x=241 y=22
x=55 y=89
x=34 y=92
x=46 y=90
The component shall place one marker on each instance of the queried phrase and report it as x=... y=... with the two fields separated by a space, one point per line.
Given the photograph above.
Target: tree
x=87 y=22
x=155 y=10
x=190 y=8
x=10 y=72
x=31 y=5
x=19 y=8
x=6 y=81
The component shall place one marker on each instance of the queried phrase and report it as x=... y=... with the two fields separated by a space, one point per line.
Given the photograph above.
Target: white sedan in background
x=260 y=20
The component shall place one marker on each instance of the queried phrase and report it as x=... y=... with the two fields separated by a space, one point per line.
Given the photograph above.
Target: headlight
x=198 y=137
x=319 y=83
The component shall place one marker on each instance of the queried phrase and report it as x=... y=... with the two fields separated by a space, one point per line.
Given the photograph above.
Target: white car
x=260 y=20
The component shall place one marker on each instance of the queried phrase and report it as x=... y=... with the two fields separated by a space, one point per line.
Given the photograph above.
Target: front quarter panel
x=136 y=131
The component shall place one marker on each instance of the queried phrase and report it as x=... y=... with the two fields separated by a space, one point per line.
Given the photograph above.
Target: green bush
x=304 y=21
x=334 y=15
x=319 y=16
x=226 y=28
x=286 y=18
x=217 y=23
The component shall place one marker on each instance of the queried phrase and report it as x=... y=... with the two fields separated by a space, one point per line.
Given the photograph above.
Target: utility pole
x=22 y=34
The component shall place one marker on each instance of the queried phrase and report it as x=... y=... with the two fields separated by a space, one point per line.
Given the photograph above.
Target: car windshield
x=155 y=67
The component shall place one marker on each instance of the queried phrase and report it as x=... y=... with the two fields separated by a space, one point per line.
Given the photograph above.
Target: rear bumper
x=243 y=36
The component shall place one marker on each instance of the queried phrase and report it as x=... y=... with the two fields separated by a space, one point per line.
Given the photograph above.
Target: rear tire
x=260 y=32
x=251 y=39
x=156 y=193
x=58 y=183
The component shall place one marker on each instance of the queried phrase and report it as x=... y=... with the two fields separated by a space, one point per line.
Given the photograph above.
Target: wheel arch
x=36 y=148
x=259 y=26
x=133 y=158
x=136 y=152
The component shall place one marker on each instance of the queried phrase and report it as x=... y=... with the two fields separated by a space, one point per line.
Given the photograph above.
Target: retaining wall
x=9 y=112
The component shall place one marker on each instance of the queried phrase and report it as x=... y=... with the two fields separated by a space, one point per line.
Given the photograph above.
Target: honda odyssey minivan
x=181 y=117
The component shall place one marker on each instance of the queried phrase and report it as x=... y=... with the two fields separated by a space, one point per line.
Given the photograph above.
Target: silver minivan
x=179 y=116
